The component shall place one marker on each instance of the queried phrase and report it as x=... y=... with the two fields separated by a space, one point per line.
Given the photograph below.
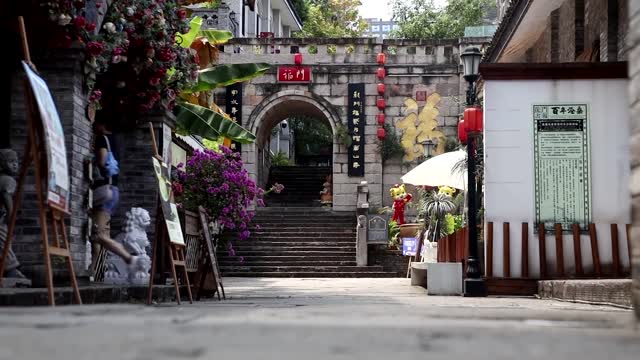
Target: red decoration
x=381 y=89
x=382 y=58
x=381 y=118
x=462 y=132
x=473 y=119
x=381 y=104
x=297 y=59
x=294 y=74
x=381 y=73
x=381 y=133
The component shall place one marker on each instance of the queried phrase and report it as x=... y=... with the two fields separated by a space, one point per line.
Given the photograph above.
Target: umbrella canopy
x=439 y=171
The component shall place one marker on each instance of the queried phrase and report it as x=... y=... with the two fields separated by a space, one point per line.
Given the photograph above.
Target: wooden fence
x=454 y=247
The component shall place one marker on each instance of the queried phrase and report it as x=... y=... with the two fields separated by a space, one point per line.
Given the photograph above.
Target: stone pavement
x=323 y=319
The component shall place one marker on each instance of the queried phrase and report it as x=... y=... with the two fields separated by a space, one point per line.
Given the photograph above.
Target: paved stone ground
x=323 y=319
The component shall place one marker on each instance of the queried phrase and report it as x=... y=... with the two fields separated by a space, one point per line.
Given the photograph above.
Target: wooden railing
x=453 y=247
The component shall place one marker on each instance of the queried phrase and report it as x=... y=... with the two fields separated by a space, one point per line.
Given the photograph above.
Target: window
x=386 y=28
x=375 y=28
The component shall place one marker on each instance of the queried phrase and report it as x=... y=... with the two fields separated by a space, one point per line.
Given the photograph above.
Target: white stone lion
x=134 y=239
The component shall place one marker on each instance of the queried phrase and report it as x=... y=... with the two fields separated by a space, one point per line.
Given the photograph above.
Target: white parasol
x=440 y=170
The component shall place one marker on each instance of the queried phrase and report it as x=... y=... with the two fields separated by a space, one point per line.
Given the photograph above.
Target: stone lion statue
x=134 y=239
x=135 y=236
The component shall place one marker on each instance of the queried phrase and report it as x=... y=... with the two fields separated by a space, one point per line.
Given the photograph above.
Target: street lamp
x=428 y=146
x=474 y=285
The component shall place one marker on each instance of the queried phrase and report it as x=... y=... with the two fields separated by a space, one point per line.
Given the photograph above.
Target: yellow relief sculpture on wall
x=419 y=126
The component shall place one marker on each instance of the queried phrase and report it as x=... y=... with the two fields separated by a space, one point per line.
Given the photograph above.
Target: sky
x=381 y=9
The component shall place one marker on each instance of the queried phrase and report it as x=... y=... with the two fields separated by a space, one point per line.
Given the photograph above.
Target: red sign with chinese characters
x=294 y=74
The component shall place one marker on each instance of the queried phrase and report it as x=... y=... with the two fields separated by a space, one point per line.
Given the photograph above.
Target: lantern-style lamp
x=381 y=104
x=297 y=59
x=428 y=145
x=382 y=58
x=462 y=132
x=381 y=89
x=381 y=119
x=381 y=73
x=471 y=63
x=381 y=133
x=473 y=121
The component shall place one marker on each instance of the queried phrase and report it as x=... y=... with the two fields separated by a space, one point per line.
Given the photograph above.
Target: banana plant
x=210 y=121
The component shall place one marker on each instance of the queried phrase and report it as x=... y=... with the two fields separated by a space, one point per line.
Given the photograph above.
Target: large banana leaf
x=185 y=40
x=228 y=74
x=216 y=37
x=198 y=120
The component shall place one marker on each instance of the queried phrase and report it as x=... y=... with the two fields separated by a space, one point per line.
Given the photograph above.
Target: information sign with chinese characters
x=234 y=102
x=377 y=229
x=562 y=165
x=409 y=245
x=355 y=123
x=294 y=74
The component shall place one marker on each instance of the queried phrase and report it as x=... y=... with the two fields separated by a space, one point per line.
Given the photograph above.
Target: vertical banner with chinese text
x=355 y=123
x=562 y=165
x=233 y=106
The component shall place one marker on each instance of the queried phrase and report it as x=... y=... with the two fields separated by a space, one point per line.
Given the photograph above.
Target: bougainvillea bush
x=134 y=63
x=217 y=182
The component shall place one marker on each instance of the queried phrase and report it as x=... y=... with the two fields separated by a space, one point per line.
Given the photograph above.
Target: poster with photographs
x=58 y=170
x=169 y=209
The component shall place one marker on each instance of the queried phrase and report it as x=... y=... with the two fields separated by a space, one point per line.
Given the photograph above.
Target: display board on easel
x=45 y=136
x=168 y=230
x=210 y=263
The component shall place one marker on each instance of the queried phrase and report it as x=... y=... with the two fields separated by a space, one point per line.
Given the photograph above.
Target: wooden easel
x=210 y=263
x=176 y=251
x=35 y=152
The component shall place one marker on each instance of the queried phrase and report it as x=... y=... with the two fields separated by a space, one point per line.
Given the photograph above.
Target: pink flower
x=79 y=22
x=182 y=13
x=95 y=48
x=118 y=51
x=154 y=81
x=91 y=26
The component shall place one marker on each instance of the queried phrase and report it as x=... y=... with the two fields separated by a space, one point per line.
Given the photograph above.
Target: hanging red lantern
x=462 y=132
x=381 y=104
x=381 y=133
x=473 y=119
x=382 y=58
x=381 y=73
x=381 y=89
x=381 y=119
x=297 y=59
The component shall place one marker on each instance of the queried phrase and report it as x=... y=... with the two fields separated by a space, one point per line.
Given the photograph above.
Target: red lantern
x=381 y=73
x=382 y=58
x=381 y=104
x=381 y=119
x=473 y=119
x=381 y=89
x=381 y=133
x=462 y=132
x=297 y=59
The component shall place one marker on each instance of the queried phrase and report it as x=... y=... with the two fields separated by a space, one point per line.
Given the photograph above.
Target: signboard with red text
x=294 y=74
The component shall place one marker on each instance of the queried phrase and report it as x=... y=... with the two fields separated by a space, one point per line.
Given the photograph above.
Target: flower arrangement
x=217 y=181
x=134 y=62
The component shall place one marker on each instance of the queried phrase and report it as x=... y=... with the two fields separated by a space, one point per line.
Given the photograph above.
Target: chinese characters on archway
x=562 y=165
x=355 y=123
x=294 y=74
x=234 y=102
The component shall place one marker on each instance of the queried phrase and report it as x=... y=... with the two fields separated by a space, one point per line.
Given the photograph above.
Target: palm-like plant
x=436 y=208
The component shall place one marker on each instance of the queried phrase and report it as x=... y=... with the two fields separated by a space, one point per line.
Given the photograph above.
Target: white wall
x=509 y=165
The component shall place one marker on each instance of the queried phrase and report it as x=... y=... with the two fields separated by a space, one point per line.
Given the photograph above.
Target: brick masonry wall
x=390 y=260
x=63 y=72
x=634 y=72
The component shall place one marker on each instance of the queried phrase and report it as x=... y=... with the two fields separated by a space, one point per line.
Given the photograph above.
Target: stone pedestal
x=444 y=278
x=419 y=274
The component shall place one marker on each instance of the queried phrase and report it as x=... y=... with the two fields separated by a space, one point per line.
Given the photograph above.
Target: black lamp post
x=474 y=285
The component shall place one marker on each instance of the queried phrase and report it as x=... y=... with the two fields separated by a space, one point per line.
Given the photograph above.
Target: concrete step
x=279 y=242
x=378 y=274
x=242 y=248
x=270 y=262
x=307 y=229
x=291 y=269
x=293 y=259
x=598 y=291
x=294 y=253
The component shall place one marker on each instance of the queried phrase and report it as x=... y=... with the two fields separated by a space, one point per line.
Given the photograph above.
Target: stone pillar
x=361 y=230
x=634 y=65
x=63 y=72
x=137 y=180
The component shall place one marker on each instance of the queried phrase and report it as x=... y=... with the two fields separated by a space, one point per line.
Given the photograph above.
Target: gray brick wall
x=63 y=72
x=634 y=71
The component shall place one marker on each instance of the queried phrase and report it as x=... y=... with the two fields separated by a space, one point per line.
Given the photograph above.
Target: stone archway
x=270 y=112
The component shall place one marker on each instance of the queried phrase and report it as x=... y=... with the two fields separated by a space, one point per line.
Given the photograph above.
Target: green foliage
x=280 y=159
x=342 y=135
x=302 y=9
x=449 y=224
x=394 y=233
x=311 y=135
x=435 y=208
x=422 y=19
x=451 y=143
x=333 y=19
x=390 y=147
x=213 y=145
x=194 y=119
x=228 y=74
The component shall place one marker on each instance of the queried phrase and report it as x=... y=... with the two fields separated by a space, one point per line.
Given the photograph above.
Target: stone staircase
x=299 y=242
x=302 y=185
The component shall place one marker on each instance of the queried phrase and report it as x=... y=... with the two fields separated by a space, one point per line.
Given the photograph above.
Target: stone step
x=240 y=268
x=255 y=248
x=378 y=274
x=292 y=253
x=307 y=229
x=301 y=236
x=290 y=242
x=268 y=261
x=293 y=259
x=306 y=210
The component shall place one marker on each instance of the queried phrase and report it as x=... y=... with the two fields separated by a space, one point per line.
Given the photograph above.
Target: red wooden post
x=595 y=253
x=489 y=250
x=525 y=250
x=615 y=250
x=628 y=226
x=506 y=251
x=577 y=250
x=542 y=246
x=559 y=251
